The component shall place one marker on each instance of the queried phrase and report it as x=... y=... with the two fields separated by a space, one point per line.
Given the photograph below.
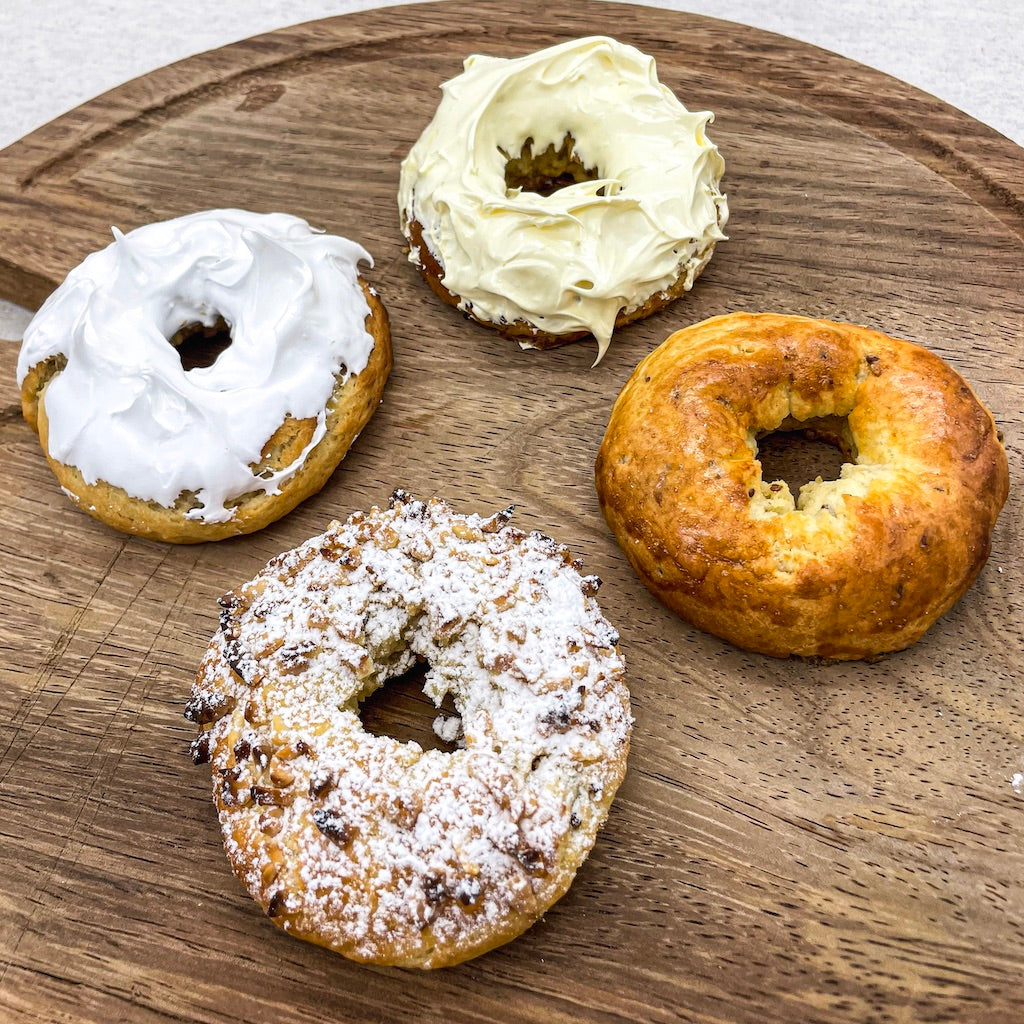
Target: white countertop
x=55 y=54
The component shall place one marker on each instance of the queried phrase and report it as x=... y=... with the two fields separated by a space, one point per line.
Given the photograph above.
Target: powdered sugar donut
x=197 y=453
x=374 y=847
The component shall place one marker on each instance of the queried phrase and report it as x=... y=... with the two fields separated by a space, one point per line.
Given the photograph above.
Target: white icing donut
x=125 y=411
x=572 y=260
x=377 y=848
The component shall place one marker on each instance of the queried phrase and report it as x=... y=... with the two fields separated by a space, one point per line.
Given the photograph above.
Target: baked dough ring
x=373 y=847
x=185 y=454
x=858 y=566
x=494 y=231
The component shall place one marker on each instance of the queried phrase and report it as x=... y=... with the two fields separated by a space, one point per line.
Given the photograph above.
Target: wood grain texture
x=794 y=842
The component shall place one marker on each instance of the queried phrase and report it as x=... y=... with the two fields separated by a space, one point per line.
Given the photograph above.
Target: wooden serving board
x=794 y=842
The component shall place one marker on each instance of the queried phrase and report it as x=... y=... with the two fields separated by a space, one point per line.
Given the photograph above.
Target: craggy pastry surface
x=374 y=847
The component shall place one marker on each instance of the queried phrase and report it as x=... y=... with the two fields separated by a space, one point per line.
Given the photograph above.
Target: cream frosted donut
x=196 y=454
x=374 y=847
x=605 y=249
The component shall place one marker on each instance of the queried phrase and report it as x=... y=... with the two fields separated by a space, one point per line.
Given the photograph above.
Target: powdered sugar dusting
x=448 y=728
x=382 y=850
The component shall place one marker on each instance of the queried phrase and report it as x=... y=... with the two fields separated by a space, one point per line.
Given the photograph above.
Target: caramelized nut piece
x=464 y=531
x=271 y=821
x=269 y=796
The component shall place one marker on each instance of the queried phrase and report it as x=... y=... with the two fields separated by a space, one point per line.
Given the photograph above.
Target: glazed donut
x=856 y=566
x=373 y=847
x=186 y=455
x=632 y=229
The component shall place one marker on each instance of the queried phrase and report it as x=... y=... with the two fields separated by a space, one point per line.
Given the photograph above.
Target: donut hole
x=548 y=171
x=798 y=452
x=402 y=710
x=199 y=345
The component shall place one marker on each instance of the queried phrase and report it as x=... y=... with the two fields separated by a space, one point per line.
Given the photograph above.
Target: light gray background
x=55 y=54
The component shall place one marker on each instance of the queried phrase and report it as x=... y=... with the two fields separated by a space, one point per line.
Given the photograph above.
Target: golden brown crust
x=352 y=404
x=525 y=333
x=863 y=565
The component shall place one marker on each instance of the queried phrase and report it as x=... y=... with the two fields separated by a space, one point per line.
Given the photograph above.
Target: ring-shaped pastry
x=556 y=195
x=852 y=568
x=153 y=445
x=374 y=847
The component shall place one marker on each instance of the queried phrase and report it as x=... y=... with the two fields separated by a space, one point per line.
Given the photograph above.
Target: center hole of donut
x=400 y=709
x=198 y=345
x=547 y=171
x=800 y=451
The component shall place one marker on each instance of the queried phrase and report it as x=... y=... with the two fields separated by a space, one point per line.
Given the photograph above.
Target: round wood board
x=794 y=842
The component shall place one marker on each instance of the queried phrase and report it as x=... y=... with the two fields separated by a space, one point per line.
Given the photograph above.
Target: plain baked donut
x=187 y=454
x=374 y=847
x=634 y=225
x=854 y=567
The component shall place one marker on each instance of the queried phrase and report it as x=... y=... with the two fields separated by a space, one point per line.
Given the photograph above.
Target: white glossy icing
x=125 y=411
x=572 y=260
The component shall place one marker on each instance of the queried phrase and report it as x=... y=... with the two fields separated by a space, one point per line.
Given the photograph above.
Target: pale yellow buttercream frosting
x=572 y=260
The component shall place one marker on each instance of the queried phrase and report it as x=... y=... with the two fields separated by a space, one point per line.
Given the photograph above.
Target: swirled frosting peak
x=124 y=410
x=573 y=260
